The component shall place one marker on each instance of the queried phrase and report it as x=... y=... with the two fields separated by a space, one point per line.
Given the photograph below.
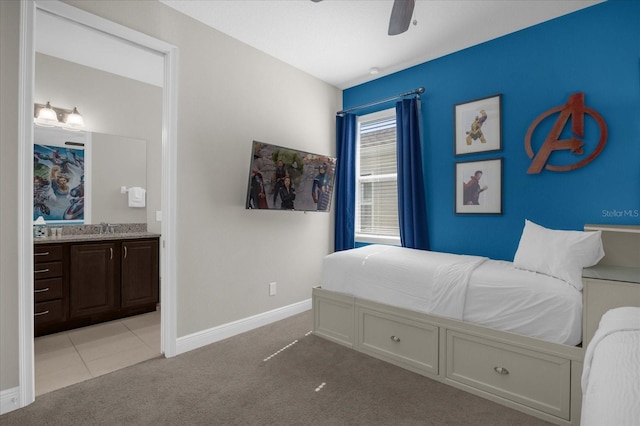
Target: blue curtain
x=412 y=206
x=345 y=186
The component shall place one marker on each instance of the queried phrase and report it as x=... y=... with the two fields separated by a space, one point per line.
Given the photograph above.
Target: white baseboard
x=9 y=400
x=215 y=334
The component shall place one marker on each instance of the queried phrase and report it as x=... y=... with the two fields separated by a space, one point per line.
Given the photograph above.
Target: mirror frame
x=26 y=374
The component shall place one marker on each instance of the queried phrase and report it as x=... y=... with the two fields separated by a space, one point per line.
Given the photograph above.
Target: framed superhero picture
x=478 y=187
x=61 y=183
x=477 y=125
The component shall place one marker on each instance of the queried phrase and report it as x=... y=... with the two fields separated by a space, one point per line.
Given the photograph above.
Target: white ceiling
x=339 y=41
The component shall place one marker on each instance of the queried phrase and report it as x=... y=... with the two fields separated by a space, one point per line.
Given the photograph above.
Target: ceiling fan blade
x=401 y=16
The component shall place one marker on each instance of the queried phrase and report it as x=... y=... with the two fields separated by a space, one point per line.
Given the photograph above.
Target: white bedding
x=611 y=374
x=483 y=291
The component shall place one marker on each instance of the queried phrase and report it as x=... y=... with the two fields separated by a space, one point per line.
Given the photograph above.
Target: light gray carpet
x=275 y=375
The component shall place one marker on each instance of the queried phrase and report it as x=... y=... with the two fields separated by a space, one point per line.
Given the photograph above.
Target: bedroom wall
x=9 y=48
x=226 y=255
x=595 y=51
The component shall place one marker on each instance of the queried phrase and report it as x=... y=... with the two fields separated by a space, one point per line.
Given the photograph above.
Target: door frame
x=26 y=373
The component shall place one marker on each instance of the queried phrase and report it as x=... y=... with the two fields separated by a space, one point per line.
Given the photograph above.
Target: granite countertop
x=95 y=237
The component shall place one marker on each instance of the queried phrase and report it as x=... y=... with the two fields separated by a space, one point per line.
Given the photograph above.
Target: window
x=376 y=179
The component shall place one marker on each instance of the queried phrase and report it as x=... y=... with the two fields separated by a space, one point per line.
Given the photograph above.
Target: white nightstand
x=615 y=281
x=607 y=287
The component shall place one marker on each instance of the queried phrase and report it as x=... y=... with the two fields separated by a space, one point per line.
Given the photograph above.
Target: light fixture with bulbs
x=48 y=116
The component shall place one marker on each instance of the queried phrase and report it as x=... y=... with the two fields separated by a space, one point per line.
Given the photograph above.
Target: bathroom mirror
x=78 y=177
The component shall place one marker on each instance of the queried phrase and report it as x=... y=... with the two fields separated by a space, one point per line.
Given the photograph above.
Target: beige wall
x=228 y=95
x=9 y=45
x=112 y=105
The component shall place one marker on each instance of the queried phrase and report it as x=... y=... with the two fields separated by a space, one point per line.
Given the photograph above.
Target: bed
x=460 y=287
x=506 y=331
x=611 y=375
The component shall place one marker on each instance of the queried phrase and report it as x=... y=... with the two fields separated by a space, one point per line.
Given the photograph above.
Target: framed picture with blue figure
x=478 y=187
x=477 y=125
x=61 y=182
x=282 y=178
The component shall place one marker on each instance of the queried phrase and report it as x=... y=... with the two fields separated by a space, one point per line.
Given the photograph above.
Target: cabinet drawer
x=47 y=289
x=48 y=312
x=47 y=270
x=400 y=340
x=47 y=253
x=530 y=378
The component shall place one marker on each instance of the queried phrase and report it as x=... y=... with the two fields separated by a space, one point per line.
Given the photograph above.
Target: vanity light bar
x=50 y=116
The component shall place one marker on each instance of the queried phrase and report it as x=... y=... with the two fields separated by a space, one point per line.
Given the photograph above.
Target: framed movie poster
x=477 y=126
x=60 y=176
x=478 y=187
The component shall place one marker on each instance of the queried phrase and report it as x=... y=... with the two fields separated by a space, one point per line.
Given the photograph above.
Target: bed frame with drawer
x=534 y=376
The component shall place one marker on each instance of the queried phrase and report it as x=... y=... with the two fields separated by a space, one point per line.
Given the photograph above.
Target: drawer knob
x=41 y=271
x=395 y=338
x=501 y=370
x=37 y=314
x=41 y=290
x=43 y=253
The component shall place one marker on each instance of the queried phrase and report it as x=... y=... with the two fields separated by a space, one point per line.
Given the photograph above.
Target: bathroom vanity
x=81 y=280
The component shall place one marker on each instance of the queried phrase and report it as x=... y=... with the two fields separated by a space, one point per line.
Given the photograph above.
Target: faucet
x=107 y=228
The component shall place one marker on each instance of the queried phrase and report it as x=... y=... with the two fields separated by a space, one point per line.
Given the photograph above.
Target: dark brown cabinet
x=83 y=283
x=49 y=286
x=92 y=279
x=139 y=273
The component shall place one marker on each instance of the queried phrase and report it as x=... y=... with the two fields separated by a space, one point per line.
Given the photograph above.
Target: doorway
x=26 y=99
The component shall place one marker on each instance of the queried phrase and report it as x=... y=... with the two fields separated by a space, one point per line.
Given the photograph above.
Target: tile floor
x=73 y=356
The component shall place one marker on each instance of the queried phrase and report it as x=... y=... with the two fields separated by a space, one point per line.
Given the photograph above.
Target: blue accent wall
x=595 y=51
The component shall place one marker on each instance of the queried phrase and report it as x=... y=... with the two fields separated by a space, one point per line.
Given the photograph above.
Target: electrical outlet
x=272 y=289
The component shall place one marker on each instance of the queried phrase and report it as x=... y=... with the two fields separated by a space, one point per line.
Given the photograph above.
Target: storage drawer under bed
x=404 y=341
x=534 y=379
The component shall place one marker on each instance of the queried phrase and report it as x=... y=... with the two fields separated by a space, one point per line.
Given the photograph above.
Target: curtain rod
x=418 y=91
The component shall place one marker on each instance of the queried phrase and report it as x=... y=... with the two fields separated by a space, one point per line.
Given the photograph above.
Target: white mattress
x=611 y=374
x=483 y=291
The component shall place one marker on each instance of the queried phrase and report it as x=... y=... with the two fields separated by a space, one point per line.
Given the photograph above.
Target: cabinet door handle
x=42 y=290
x=37 y=314
x=395 y=338
x=41 y=271
x=111 y=251
x=125 y=252
x=501 y=370
x=44 y=253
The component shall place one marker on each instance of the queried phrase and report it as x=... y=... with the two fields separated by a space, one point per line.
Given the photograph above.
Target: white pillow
x=561 y=254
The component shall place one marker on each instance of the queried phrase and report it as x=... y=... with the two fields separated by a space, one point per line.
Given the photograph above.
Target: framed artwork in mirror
x=60 y=176
x=477 y=125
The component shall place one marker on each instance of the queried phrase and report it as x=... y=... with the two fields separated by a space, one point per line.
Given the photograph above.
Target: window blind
x=377 y=202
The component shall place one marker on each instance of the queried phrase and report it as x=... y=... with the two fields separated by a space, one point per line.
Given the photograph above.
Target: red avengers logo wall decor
x=576 y=110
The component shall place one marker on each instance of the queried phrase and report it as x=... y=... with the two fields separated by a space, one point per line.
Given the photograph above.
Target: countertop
x=95 y=237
